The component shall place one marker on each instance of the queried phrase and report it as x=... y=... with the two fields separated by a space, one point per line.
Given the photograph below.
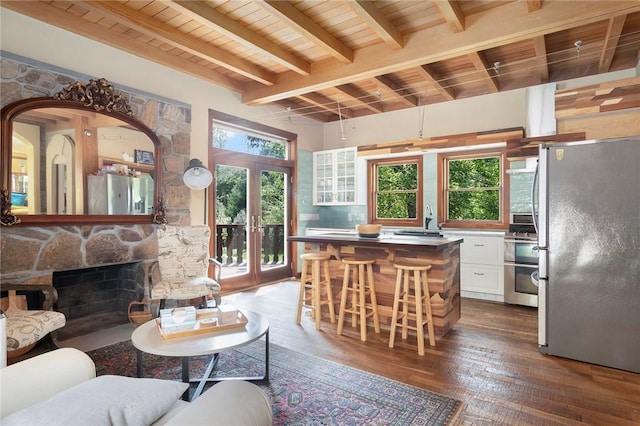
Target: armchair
x=24 y=328
x=183 y=265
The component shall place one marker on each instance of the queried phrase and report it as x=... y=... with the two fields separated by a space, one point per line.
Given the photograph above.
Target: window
x=473 y=189
x=248 y=141
x=395 y=187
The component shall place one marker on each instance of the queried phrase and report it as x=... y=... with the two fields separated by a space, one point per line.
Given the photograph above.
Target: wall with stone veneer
x=30 y=254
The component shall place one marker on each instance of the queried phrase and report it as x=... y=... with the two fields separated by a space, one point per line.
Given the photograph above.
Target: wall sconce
x=196 y=175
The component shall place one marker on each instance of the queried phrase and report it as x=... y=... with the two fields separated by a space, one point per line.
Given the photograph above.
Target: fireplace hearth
x=96 y=298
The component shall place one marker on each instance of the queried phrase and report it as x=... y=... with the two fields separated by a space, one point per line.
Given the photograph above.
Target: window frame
x=443 y=170
x=372 y=190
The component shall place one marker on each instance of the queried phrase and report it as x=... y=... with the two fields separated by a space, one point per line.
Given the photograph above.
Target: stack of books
x=178 y=319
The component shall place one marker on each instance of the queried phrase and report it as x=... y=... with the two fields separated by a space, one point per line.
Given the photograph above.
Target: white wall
x=489 y=112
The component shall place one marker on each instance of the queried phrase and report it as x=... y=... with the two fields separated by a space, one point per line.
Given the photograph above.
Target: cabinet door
x=345 y=190
x=483 y=250
x=482 y=279
x=334 y=177
x=323 y=177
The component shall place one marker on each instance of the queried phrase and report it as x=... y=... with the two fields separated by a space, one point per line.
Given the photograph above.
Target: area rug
x=304 y=390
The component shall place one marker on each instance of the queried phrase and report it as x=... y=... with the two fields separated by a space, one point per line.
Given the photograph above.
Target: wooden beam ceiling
x=379 y=55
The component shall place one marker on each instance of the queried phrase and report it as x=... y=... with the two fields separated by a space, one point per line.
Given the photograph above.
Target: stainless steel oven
x=520 y=261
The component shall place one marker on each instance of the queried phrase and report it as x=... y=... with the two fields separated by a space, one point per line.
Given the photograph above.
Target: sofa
x=61 y=387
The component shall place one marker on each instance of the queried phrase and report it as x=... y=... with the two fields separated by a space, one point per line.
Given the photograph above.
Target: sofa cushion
x=105 y=400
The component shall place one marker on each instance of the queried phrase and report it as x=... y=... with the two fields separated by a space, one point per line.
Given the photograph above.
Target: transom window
x=473 y=189
x=248 y=141
x=395 y=190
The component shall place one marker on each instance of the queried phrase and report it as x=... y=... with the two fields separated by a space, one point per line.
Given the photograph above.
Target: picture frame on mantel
x=143 y=157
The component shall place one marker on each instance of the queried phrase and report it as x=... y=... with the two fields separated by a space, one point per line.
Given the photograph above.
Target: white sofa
x=61 y=387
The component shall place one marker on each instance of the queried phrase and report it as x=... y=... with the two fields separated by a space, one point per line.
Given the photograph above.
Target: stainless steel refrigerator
x=589 y=242
x=109 y=194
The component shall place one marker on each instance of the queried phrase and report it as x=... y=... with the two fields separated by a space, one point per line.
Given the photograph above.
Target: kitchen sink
x=419 y=233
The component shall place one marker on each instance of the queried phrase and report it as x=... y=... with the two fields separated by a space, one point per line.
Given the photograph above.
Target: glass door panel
x=231 y=212
x=273 y=218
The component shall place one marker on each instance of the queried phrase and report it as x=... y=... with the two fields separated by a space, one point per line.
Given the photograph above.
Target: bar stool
x=314 y=276
x=361 y=286
x=413 y=293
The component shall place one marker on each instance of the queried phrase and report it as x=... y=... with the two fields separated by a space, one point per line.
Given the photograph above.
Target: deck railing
x=231 y=244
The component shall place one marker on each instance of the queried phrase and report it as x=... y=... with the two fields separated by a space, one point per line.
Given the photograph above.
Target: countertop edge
x=393 y=240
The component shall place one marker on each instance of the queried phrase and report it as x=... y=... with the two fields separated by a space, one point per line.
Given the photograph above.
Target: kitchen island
x=442 y=253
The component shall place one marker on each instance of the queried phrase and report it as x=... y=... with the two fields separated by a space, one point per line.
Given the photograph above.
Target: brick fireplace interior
x=96 y=298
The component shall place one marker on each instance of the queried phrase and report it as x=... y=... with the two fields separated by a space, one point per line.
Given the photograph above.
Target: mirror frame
x=100 y=97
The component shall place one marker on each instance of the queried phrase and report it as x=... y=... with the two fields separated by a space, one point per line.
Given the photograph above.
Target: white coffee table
x=147 y=338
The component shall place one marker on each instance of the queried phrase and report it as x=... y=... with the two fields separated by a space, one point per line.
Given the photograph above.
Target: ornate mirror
x=79 y=157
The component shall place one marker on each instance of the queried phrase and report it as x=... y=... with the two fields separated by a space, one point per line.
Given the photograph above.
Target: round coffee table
x=147 y=338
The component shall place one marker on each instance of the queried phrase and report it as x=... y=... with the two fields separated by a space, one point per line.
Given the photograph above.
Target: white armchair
x=183 y=264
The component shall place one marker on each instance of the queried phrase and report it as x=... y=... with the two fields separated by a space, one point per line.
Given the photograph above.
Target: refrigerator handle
x=533 y=198
x=543 y=263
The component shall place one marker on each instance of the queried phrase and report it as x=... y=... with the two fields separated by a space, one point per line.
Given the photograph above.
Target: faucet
x=429 y=218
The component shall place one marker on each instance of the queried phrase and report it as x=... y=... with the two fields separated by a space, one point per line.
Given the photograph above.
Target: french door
x=251 y=211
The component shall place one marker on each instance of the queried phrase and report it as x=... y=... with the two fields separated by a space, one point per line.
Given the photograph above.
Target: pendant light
x=196 y=175
x=343 y=138
x=420 y=119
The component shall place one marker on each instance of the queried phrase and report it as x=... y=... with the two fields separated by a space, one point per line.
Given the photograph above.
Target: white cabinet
x=334 y=177
x=481 y=265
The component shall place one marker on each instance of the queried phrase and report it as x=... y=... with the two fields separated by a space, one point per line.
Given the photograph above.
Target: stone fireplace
x=97 y=298
x=96 y=270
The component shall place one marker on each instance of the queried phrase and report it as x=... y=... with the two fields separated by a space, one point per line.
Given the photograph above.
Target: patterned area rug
x=305 y=390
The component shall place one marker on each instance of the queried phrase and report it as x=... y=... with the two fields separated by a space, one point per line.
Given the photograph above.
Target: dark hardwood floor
x=489 y=361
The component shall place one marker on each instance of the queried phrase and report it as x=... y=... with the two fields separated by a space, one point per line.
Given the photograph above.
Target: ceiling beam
x=480 y=64
x=433 y=44
x=452 y=13
x=78 y=25
x=367 y=100
x=542 y=67
x=291 y=16
x=614 y=29
x=219 y=23
x=378 y=22
x=433 y=79
x=399 y=93
x=173 y=37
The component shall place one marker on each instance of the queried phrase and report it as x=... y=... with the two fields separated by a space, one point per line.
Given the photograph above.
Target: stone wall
x=30 y=254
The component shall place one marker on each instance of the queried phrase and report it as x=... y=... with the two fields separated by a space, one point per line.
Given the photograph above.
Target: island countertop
x=442 y=253
x=403 y=241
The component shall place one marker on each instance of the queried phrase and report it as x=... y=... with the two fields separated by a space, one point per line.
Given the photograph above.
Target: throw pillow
x=105 y=400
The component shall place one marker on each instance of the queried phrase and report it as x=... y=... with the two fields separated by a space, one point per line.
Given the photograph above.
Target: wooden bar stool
x=361 y=286
x=412 y=291
x=314 y=279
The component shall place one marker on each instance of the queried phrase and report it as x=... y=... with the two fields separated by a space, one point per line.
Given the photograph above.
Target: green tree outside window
x=473 y=189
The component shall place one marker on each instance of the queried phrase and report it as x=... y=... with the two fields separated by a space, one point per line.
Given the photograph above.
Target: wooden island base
x=444 y=276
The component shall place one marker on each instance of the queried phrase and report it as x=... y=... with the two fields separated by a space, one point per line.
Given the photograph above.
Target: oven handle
x=522 y=265
x=534 y=278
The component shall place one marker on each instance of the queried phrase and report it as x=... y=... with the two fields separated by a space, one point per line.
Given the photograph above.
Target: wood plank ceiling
x=332 y=59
